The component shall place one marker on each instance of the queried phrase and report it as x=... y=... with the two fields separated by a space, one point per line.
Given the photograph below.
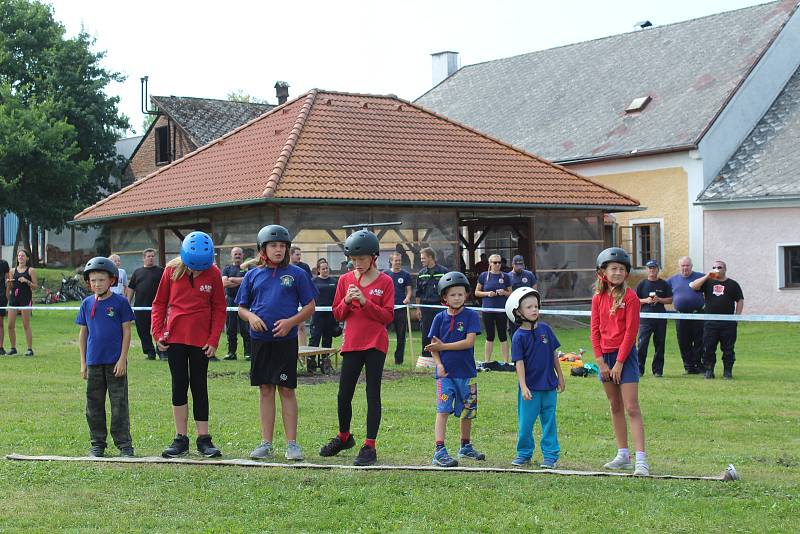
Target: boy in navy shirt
x=105 y=336
x=452 y=336
x=539 y=375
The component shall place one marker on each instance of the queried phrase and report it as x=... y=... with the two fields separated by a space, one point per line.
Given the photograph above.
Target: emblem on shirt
x=110 y=311
x=205 y=288
x=400 y=280
x=500 y=281
x=460 y=326
x=443 y=396
x=287 y=280
x=376 y=292
x=524 y=280
x=283 y=377
x=719 y=290
x=543 y=338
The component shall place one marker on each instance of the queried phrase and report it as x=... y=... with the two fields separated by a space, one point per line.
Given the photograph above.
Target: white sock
x=623 y=453
x=641 y=456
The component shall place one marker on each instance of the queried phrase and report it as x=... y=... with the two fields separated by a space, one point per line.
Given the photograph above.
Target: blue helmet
x=197 y=251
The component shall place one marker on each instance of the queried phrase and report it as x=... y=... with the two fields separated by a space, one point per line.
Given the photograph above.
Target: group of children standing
x=189 y=315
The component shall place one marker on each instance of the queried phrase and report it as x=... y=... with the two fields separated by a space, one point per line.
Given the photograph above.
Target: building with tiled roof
x=655 y=113
x=329 y=160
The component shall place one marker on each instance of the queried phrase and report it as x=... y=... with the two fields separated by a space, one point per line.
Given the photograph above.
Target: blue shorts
x=457 y=395
x=630 y=368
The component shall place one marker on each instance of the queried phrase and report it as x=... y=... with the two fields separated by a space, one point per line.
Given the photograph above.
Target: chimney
x=444 y=64
x=282 y=92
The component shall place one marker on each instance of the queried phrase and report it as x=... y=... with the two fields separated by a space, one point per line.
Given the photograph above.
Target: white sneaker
x=425 y=363
x=262 y=452
x=619 y=462
x=294 y=451
x=642 y=469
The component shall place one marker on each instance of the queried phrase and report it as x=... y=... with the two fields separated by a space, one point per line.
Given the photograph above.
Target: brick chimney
x=282 y=92
x=444 y=65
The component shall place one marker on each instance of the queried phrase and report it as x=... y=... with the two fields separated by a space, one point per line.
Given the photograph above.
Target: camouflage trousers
x=101 y=380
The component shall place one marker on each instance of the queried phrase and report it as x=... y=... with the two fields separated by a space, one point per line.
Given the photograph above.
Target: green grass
x=693 y=427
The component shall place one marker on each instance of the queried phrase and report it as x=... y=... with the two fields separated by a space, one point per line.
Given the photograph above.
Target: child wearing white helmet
x=539 y=374
x=614 y=326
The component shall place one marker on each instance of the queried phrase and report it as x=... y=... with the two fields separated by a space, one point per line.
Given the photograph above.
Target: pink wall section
x=747 y=240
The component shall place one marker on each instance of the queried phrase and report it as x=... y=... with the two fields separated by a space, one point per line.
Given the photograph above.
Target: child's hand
x=355 y=294
x=616 y=372
x=605 y=371
x=162 y=345
x=282 y=328
x=440 y=372
x=120 y=368
x=209 y=350
x=256 y=323
x=526 y=393
x=561 y=385
x=435 y=345
x=84 y=372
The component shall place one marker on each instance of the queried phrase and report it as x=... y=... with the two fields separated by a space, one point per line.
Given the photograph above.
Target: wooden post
x=410 y=336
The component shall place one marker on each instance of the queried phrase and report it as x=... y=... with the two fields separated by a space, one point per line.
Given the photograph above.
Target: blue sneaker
x=520 y=461
x=468 y=451
x=442 y=459
x=548 y=463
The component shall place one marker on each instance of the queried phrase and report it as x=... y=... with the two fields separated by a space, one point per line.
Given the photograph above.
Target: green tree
x=239 y=95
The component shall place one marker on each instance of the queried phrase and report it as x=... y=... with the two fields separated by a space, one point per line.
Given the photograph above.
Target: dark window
x=791 y=262
x=642 y=241
x=162 y=145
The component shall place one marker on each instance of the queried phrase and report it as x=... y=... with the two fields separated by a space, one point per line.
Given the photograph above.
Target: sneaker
x=294 y=451
x=206 y=447
x=150 y=356
x=508 y=367
x=97 y=451
x=442 y=459
x=126 y=452
x=230 y=356
x=709 y=374
x=548 y=463
x=642 y=469
x=335 y=446
x=29 y=352
x=493 y=366
x=263 y=451
x=468 y=451
x=247 y=357
x=12 y=351
x=619 y=462
x=658 y=375
x=366 y=456
x=519 y=461
x=2 y=351
x=179 y=447
x=213 y=359
x=161 y=356
x=727 y=374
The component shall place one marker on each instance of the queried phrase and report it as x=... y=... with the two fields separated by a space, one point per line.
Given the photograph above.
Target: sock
x=641 y=456
x=291 y=442
x=369 y=443
x=439 y=445
x=464 y=442
x=624 y=453
x=344 y=436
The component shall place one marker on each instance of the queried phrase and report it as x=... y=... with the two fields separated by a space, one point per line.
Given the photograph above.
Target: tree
x=54 y=87
x=238 y=95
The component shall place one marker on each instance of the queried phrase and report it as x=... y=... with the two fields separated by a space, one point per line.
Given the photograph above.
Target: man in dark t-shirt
x=402 y=296
x=295 y=257
x=4 y=270
x=723 y=296
x=653 y=293
x=232 y=275
x=141 y=291
x=427 y=292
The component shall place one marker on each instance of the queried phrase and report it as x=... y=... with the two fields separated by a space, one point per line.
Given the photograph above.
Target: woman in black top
x=23 y=283
x=323 y=325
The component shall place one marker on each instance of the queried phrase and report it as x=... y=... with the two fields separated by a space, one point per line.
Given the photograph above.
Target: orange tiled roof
x=344 y=147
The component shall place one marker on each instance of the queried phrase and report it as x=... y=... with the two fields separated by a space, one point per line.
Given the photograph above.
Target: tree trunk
x=35 y=246
x=16 y=240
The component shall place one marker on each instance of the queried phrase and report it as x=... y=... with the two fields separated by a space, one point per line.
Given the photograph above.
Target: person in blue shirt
x=105 y=319
x=323 y=324
x=493 y=287
x=402 y=296
x=520 y=277
x=689 y=332
x=452 y=335
x=539 y=375
x=268 y=299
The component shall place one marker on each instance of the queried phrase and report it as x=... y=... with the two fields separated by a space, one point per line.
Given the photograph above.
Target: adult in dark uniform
x=295 y=257
x=687 y=300
x=402 y=296
x=653 y=293
x=520 y=277
x=141 y=292
x=232 y=275
x=5 y=269
x=323 y=323
x=427 y=292
x=723 y=296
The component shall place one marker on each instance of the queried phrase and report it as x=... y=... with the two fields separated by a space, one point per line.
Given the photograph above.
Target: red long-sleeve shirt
x=618 y=331
x=189 y=310
x=365 y=326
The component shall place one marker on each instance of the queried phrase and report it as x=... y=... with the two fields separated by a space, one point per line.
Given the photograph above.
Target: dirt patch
x=303 y=377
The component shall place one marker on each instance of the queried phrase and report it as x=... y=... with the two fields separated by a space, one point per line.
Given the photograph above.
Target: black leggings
x=490 y=320
x=352 y=363
x=188 y=366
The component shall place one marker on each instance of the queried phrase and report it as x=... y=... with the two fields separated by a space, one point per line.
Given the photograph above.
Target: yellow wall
x=664 y=192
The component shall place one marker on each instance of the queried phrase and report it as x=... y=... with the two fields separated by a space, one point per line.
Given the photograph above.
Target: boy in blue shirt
x=539 y=374
x=105 y=336
x=452 y=337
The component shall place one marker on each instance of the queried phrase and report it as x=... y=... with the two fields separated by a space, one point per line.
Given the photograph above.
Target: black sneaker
x=150 y=355
x=230 y=356
x=126 y=452
x=727 y=374
x=179 y=447
x=709 y=374
x=366 y=456
x=2 y=351
x=206 y=447
x=336 y=445
x=213 y=359
x=247 y=357
x=658 y=375
x=162 y=356
x=98 y=451
x=29 y=352
x=12 y=351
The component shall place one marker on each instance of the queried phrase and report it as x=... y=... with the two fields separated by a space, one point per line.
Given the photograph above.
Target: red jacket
x=618 y=331
x=189 y=310
x=365 y=326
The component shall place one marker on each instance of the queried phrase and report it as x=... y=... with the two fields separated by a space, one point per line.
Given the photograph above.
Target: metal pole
x=410 y=336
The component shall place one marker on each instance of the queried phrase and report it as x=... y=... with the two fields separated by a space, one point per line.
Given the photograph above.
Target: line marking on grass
x=727 y=475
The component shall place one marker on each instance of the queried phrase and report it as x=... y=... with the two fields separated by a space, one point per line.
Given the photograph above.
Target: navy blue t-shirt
x=536 y=348
x=233 y=271
x=104 y=344
x=275 y=294
x=492 y=282
x=326 y=289
x=684 y=298
x=402 y=280
x=450 y=329
x=662 y=290
x=525 y=278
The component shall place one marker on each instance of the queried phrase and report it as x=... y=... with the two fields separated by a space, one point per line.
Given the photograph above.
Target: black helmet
x=362 y=243
x=614 y=254
x=100 y=264
x=453 y=279
x=273 y=233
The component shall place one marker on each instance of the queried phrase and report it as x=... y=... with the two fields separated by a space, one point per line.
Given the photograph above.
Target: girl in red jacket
x=188 y=317
x=615 y=323
x=364 y=300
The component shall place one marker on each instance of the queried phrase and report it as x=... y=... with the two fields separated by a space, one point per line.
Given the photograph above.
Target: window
x=162 y=145
x=790 y=271
x=642 y=241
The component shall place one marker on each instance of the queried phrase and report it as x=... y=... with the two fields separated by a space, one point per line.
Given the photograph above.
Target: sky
x=209 y=49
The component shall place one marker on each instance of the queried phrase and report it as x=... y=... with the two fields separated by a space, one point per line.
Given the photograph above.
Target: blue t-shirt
x=493 y=282
x=402 y=280
x=275 y=294
x=525 y=278
x=457 y=363
x=104 y=344
x=536 y=348
x=684 y=298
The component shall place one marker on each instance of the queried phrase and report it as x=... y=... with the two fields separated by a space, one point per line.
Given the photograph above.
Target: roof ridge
x=291 y=141
x=214 y=99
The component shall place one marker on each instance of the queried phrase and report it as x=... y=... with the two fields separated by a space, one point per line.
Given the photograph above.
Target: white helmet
x=512 y=303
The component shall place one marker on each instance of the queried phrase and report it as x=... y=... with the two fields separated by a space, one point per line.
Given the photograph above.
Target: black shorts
x=3 y=302
x=273 y=362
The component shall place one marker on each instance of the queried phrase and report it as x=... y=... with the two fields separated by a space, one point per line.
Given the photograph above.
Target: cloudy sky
x=208 y=49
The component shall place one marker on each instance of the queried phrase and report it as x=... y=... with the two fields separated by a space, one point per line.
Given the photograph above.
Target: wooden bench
x=305 y=352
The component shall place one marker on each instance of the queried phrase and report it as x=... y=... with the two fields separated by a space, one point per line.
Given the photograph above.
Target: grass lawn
x=693 y=426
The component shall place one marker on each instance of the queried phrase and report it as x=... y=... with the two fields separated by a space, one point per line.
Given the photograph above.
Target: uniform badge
x=524 y=280
x=283 y=377
x=500 y=281
x=443 y=396
x=544 y=339
x=110 y=311
x=400 y=280
x=287 y=280
x=460 y=326
x=719 y=290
